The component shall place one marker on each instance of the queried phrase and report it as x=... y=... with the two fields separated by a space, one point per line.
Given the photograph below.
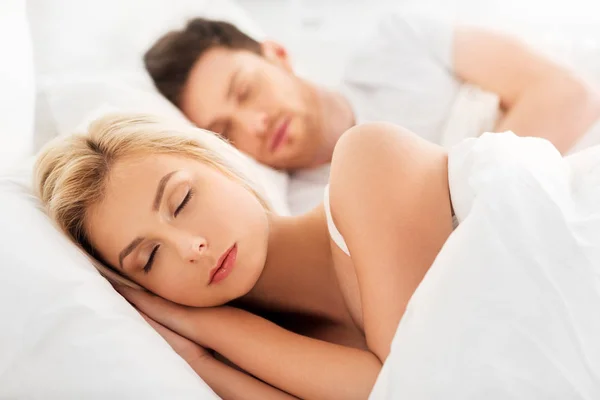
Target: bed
x=66 y=334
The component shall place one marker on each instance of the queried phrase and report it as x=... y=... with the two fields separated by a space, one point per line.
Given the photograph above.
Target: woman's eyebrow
x=127 y=250
x=160 y=190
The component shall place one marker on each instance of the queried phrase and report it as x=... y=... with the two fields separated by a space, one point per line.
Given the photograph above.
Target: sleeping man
x=416 y=73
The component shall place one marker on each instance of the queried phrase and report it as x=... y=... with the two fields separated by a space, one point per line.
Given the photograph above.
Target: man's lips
x=278 y=137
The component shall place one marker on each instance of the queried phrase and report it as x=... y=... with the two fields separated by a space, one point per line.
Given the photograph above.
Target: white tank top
x=335 y=234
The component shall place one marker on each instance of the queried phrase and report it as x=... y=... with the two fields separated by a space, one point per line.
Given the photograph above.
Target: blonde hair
x=71 y=172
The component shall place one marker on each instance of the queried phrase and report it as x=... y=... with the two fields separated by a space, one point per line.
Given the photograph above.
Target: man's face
x=257 y=103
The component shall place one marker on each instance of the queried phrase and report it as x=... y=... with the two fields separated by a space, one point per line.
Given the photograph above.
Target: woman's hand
x=153 y=309
x=167 y=317
x=190 y=351
x=178 y=319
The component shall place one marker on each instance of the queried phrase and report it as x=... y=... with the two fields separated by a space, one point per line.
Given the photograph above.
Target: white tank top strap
x=336 y=236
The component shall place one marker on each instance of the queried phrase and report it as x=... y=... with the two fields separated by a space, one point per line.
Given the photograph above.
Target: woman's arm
x=540 y=97
x=226 y=381
x=305 y=367
x=231 y=384
x=390 y=200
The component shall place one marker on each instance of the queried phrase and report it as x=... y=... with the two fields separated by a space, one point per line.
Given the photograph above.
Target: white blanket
x=511 y=307
x=474 y=111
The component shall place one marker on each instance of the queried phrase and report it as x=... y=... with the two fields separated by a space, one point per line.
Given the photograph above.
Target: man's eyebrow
x=213 y=125
x=232 y=81
x=160 y=190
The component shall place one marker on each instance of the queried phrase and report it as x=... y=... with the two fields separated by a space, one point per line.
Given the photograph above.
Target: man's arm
x=540 y=98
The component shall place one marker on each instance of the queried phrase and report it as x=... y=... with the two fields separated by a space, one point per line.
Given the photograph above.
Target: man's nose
x=257 y=122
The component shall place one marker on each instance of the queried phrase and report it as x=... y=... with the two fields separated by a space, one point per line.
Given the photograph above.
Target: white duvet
x=511 y=307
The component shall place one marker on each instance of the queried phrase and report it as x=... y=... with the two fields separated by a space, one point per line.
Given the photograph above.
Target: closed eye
x=148 y=265
x=244 y=94
x=184 y=202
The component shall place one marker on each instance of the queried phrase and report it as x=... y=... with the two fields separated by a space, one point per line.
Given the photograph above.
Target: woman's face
x=181 y=229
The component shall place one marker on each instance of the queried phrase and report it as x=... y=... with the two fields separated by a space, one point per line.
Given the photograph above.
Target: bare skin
x=334 y=315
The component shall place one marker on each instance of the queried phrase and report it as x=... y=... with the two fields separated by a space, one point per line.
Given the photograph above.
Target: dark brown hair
x=170 y=60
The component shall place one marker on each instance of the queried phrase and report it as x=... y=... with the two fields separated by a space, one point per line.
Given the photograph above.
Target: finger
x=182 y=345
x=154 y=306
x=131 y=294
x=161 y=329
x=147 y=318
x=174 y=316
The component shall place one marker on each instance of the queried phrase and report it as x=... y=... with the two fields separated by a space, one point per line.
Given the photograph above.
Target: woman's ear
x=276 y=54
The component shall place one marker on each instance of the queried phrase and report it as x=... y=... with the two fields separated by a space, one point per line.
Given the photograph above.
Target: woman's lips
x=224 y=266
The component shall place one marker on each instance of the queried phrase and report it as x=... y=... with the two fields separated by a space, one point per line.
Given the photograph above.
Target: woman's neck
x=297 y=276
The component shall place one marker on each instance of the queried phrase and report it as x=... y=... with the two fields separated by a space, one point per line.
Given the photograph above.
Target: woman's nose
x=192 y=248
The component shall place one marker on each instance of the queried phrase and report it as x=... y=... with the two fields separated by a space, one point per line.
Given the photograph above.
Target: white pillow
x=89 y=60
x=112 y=35
x=66 y=334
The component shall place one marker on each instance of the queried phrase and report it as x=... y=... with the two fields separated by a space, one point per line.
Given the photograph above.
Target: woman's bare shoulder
x=378 y=161
x=390 y=200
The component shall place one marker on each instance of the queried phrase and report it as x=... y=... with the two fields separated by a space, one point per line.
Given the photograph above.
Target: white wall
x=321 y=33
x=16 y=84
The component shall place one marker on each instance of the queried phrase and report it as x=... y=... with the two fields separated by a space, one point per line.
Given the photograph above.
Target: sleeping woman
x=261 y=306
